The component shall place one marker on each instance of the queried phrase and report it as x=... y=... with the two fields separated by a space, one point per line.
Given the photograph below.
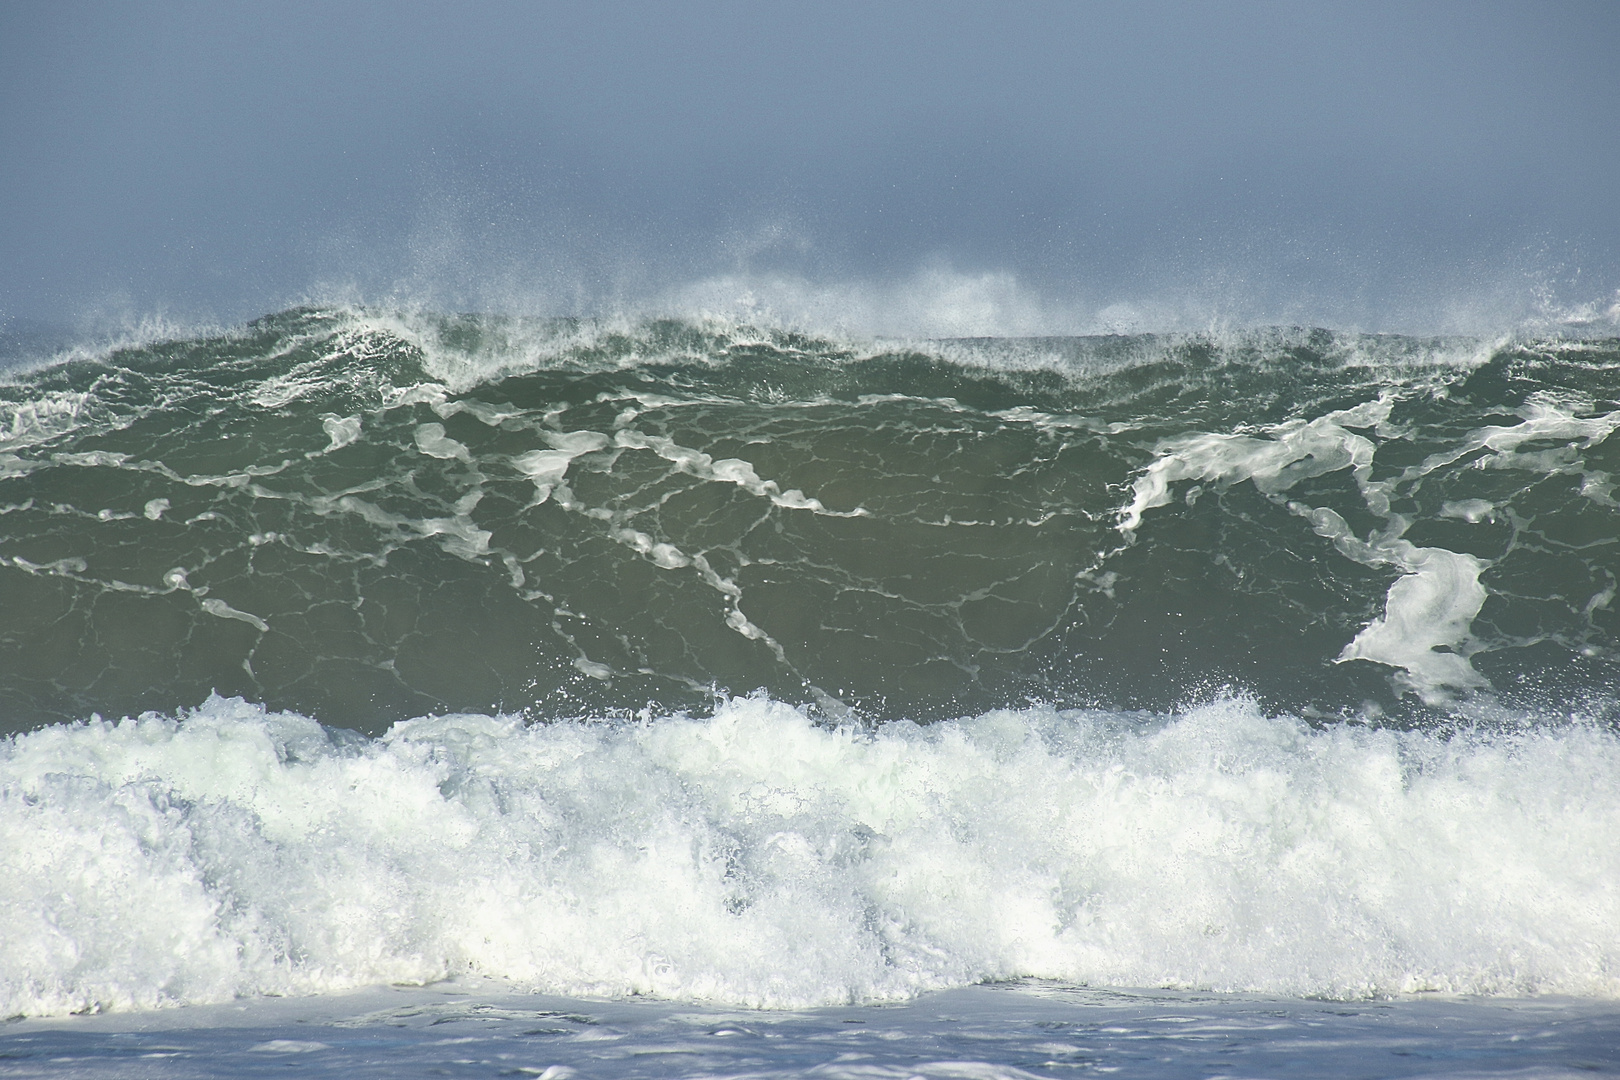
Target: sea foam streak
x=758 y=858
x=365 y=516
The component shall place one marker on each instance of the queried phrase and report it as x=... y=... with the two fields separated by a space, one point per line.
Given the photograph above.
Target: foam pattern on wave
x=757 y=858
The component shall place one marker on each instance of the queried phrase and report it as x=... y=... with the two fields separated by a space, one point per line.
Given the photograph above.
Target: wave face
x=1278 y=660
x=363 y=518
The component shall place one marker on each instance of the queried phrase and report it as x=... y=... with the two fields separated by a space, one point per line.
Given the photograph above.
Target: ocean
x=386 y=691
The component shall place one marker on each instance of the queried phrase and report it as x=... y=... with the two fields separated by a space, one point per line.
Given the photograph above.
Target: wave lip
x=757 y=858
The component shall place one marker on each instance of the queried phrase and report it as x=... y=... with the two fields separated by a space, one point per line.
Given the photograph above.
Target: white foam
x=725 y=470
x=548 y=467
x=220 y=609
x=49 y=415
x=1291 y=452
x=1472 y=511
x=458 y=535
x=666 y=556
x=977 y=320
x=341 y=430
x=1544 y=418
x=1434 y=605
x=432 y=441
x=1599 y=486
x=758 y=858
x=1425 y=631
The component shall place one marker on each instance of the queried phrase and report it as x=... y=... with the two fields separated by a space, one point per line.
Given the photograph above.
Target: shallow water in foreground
x=1006 y=1031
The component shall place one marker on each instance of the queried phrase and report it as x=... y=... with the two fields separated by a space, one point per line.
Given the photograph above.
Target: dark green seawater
x=366 y=517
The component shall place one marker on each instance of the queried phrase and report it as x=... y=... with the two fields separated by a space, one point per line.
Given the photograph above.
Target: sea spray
x=757 y=857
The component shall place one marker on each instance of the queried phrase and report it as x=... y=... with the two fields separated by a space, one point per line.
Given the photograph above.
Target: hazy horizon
x=915 y=168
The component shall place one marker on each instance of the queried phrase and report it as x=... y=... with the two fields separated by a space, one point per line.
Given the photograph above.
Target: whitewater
x=755 y=858
x=604 y=683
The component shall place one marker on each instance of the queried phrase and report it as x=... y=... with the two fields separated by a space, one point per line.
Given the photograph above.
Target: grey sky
x=1389 y=165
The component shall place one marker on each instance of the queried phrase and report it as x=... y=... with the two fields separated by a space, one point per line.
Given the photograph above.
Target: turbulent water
x=691 y=659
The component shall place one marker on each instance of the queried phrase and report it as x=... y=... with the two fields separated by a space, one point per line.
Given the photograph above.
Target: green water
x=364 y=517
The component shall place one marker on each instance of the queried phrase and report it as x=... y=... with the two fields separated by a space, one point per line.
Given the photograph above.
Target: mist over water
x=1388 y=168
